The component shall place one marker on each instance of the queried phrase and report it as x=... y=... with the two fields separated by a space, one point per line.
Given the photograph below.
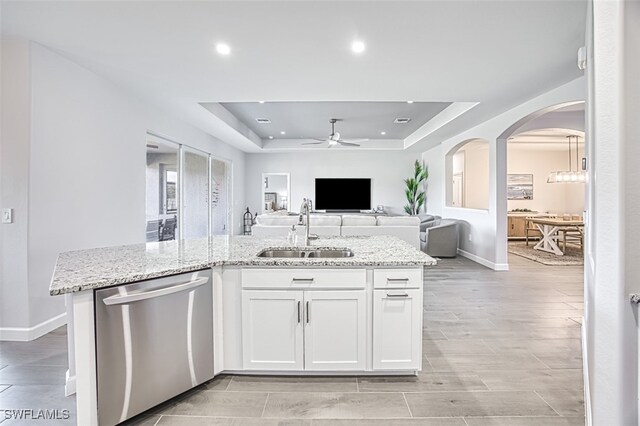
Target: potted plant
x=415 y=195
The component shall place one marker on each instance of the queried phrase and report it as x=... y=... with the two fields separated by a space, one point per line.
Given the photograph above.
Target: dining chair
x=573 y=234
x=168 y=231
x=530 y=228
x=153 y=230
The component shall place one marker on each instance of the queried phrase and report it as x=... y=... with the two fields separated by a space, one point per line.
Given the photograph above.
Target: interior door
x=272 y=330
x=397 y=329
x=335 y=327
x=458 y=190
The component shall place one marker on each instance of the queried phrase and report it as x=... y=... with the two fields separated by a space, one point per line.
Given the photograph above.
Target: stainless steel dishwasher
x=154 y=340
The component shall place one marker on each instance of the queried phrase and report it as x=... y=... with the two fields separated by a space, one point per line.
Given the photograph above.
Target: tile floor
x=500 y=348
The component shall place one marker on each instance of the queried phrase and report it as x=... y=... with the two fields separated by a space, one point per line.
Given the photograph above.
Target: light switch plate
x=7 y=215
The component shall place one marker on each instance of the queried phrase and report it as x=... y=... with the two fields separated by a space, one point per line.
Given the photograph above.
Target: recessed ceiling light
x=383 y=133
x=409 y=102
x=270 y=137
x=357 y=46
x=283 y=132
x=223 y=48
x=261 y=102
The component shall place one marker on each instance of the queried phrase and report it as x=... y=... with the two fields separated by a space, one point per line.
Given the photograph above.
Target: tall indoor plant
x=415 y=195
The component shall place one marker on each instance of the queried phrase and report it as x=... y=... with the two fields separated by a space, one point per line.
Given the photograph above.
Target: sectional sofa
x=406 y=228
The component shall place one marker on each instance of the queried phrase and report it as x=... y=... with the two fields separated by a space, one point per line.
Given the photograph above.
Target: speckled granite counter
x=90 y=269
x=635 y=298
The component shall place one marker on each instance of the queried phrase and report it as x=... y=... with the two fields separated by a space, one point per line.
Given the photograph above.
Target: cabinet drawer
x=304 y=278
x=397 y=278
x=397 y=329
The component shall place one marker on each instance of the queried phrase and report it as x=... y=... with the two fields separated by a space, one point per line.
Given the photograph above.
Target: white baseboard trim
x=69 y=385
x=26 y=334
x=585 y=374
x=483 y=261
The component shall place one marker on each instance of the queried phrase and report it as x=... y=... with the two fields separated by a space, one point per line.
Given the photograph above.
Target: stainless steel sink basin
x=302 y=253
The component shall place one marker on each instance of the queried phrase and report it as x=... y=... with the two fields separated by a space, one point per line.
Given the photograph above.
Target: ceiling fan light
x=333 y=142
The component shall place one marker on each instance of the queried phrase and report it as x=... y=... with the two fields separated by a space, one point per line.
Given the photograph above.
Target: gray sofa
x=427 y=221
x=406 y=228
x=439 y=237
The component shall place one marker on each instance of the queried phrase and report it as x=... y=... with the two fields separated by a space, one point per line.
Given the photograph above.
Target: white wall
x=547 y=197
x=483 y=233
x=434 y=160
x=86 y=170
x=14 y=181
x=612 y=259
x=387 y=169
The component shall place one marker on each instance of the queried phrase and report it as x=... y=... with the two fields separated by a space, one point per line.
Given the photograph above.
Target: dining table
x=550 y=229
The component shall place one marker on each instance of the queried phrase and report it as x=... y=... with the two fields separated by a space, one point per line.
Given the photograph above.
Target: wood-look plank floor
x=499 y=348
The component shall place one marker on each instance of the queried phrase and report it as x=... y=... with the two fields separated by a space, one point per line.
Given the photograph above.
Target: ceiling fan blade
x=319 y=139
x=313 y=143
x=348 y=143
x=355 y=140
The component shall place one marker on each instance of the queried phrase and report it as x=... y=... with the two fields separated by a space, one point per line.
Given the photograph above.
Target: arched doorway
x=553 y=125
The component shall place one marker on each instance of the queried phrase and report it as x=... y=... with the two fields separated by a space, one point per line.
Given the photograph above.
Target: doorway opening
x=188 y=192
x=545 y=188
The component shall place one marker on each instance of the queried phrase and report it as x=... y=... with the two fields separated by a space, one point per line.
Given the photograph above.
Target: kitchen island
x=228 y=309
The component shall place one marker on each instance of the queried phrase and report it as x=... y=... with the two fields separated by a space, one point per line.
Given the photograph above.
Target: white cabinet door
x=397 y=329
x=272 y=330
x=335 y=327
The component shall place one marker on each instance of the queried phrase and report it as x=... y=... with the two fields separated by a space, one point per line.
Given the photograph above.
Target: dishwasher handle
x=122 y=299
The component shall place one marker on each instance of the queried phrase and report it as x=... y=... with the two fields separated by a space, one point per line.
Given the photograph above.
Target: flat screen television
x=340 y=194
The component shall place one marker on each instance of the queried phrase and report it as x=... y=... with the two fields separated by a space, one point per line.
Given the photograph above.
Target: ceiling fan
x=334 y=138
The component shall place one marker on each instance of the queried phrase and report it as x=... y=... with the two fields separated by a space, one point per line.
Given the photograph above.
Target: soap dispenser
x=293 y=236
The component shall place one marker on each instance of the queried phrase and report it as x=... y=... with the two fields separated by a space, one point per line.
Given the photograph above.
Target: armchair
x=441 y=239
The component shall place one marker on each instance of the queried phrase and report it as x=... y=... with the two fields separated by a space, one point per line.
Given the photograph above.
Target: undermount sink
x=302 y=253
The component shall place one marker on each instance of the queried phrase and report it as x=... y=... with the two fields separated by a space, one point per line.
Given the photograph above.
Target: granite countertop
x=95 y=268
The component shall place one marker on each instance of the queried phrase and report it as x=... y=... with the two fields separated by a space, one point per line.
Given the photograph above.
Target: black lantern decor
x=247 y=222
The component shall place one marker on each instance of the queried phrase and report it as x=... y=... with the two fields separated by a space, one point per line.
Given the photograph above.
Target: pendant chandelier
x=569 y=176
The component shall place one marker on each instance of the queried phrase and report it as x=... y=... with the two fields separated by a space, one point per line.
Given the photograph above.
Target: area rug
x=572 y=256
